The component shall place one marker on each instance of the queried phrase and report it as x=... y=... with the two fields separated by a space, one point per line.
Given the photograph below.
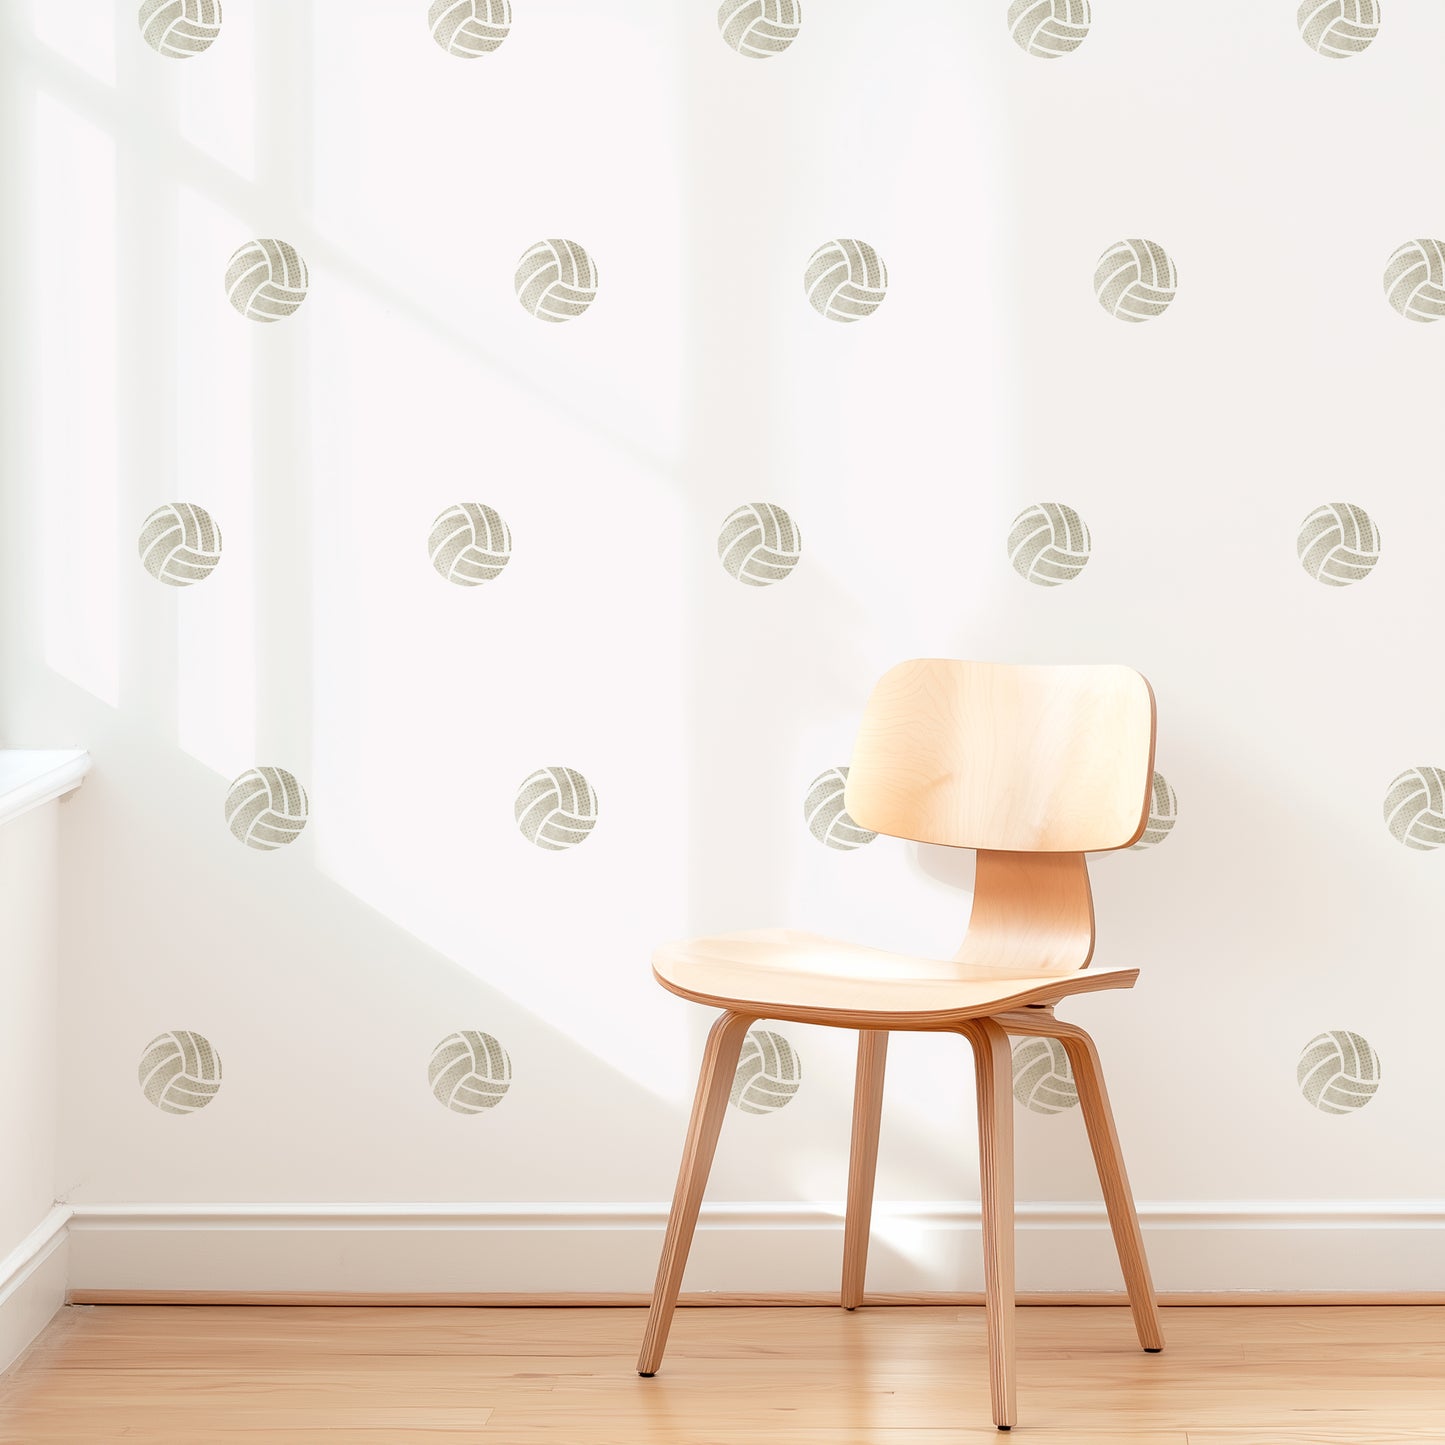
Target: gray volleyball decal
x=1135 y=280
x=469 y=1072
x=180 y=28
x=1049 y=28
x=1163 y=813
x=760 y=28
x=556 y=808
x=1415 y=280
x=266 y=808
x=1048 y=544
x=469 y=28
x=845 y=280
x=759 y=544
x=180 y=1072
x=1339 y=28
x=266 y=279
x=1338 y=544
x=469 y=544
x=1338 y=1072
x=1415 y=808
x=1043 y=1080
x=556 y=280
x=180 y=544
x=768 y=1076
x=825 y=815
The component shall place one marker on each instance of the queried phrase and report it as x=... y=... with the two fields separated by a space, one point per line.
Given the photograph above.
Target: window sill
x=32 y=777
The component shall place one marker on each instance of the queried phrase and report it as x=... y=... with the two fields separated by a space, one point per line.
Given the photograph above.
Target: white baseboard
x=32 y=1284
x=574 y=1248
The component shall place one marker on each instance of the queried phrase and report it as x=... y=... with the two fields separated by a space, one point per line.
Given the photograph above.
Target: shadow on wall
x=325 y=1015
x=324 y=1032
x=338 y=970
x=235 y=675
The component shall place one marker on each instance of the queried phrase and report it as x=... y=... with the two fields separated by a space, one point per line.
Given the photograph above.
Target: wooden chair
x=1034 y=767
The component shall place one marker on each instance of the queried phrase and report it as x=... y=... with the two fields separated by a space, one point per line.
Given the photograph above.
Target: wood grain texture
x=267 y=1376
x=780 y=973
x=719 y=1065
x=1033 y=913
x=993 y=1076
x=862 y=1162
x=996 y=756
x=1108 y=1160
x=1032 y=766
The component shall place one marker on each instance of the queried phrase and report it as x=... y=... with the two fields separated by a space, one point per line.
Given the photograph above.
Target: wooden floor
x=197 y=1375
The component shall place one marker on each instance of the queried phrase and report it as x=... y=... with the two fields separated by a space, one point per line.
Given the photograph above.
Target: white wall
x=410 y=907
x=28 y=1034
x=31 y=1287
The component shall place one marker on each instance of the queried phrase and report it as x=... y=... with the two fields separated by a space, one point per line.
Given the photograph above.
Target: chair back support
x=1032 y=766
x=988 y=755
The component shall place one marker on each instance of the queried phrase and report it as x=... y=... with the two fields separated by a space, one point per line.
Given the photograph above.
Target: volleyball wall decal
x=180 y=1072
x=1338 y=544
x=556 y=808
x=769 y=1074
x=1049 y=28
x=1338 y=1072
x=845 y=280
x=759 y=544
x=266 y=280
x=180 y=29
x=179 y=544
x=1415 y=808
x=469 y=544
x=266 y=808
x=760 y=28
x=827 y=818
x=1338 y=29
x=1163 y=814
x=469 y=28
x=1415 y=280
x=1135 y=280
x=1043 y=1079
x=469 y=1072
x=1048 y=544
x=556 y=280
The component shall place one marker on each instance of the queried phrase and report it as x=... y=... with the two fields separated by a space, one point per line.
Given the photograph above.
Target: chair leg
x=1108 y=1160
x=863 y=1161
x=719 y=1065
x=1118 y=1198
x=993 y=1072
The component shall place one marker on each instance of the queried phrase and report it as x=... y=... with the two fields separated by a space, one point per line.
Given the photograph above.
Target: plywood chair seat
x=1033 y=768
x=779 y=973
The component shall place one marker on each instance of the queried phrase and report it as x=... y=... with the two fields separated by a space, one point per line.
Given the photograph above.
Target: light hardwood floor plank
x=212 y=1375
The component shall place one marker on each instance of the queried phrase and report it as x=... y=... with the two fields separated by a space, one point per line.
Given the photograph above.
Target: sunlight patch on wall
x=481 y=219
x=216 y=92
x=85 y=36
x=216 y=622
x=73 y=250
x=927 y=347
x=437 y=700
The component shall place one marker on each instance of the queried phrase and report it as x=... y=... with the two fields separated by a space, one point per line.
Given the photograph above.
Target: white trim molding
x=764 y=1247
x=32 y=1251
x=33 y=1279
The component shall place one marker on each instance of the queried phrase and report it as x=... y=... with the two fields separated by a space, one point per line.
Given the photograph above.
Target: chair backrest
x=987 y=755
